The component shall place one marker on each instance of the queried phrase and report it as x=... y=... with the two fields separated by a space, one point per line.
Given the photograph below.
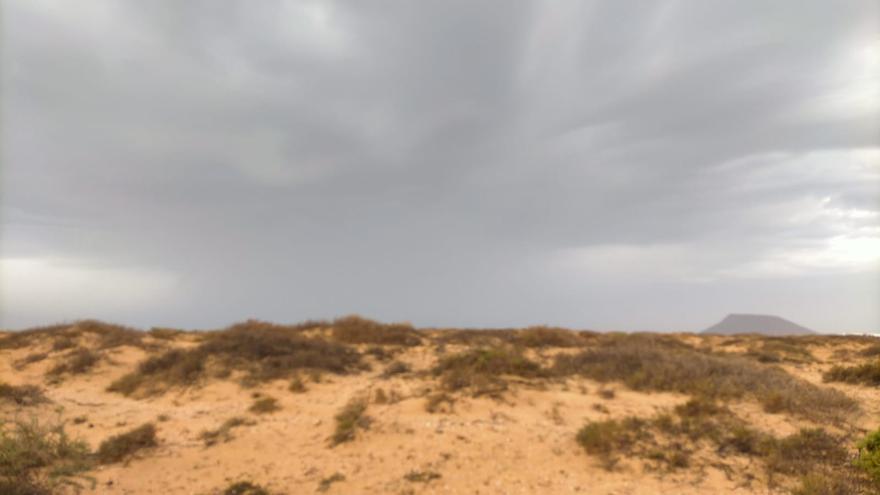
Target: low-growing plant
x=22 y=395
x=77 y=362
x=866 y=374
x=31 y=358
x=358 y=330
x=245 y=488
x=415 y=476
x=121 y=447
x=395 y=368
x=37 y=459
x=265 y=405
x=481 y=370
x=297 y=385
x=869 y=455
x=349 y=419
x=325 y=483
x=439 y=402
x=606 y=438
x=224 y=432
x=543 y=336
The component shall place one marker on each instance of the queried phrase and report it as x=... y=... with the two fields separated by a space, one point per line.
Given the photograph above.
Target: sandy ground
x=523 y=443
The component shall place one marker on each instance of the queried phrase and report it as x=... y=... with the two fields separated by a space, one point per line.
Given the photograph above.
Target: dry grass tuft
x=866 y=374
x=245 y=488
x=76 y=362
x=422 y=476
x=224 y=432
x=121 y=447
x=265 y=405
x=325 y=483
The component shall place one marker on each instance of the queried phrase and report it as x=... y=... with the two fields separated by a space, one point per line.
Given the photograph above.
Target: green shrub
x=121 y=447
x=801 y=452
x=869 y=455
x=37 y=459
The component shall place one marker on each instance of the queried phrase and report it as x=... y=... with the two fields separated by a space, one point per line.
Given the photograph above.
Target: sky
x=644 y=165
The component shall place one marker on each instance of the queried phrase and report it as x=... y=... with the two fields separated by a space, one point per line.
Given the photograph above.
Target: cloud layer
x=593 y=164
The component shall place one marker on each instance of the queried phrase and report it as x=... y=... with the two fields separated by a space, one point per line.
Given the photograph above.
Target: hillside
x=355 y=406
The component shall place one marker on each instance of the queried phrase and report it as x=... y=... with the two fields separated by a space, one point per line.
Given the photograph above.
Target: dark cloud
x=598 y=164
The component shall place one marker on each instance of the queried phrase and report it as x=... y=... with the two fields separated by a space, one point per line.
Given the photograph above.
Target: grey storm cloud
x=592 y=164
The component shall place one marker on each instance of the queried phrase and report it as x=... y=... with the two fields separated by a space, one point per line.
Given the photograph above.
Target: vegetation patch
x=869 y=456
x=543 y=336
x=265 y=405
x=357 y=330
x=325 y=483
x=348 y=420
x=36 y=459
x=77 y=362
x=22 y=395
x=263 y=353
x=245 y=488
x=645 y=362
x=121 y=447
x=223 y=433
x=482 y=370
x=395 y=368
x=421 y=476
x=865 y=374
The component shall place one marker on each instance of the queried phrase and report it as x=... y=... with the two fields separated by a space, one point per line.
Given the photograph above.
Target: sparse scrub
x=22 y=395
x=325 y=483
x=651 y=363
x=421 y=476
x=865 y=374
x=869 y=456
x=439 y=402
x=77 y=362
x=224 y=432
x=606 y=438
x=297 y=385
x=481 y=370
x=395 y=368
x=543 y=336
x=31 y=358
x=38 y=460
x=349 y=419
x=265 y=405
x=263 y=353
x=121 y=447
x=245 y=488
x=357 y=330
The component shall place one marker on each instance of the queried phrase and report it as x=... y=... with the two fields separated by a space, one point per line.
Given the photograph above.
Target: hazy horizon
x=593 y=165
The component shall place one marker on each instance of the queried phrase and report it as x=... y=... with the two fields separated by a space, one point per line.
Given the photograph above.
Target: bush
x=22 y=395
x=245 y=488
x=265 y=405
x=224 y=432
x=348 y=420
x=76 y=362
x=325 y=483
x=395 y=368
x=605 y=438
x=120 y=447
x=481 y=369
x=645 y=362
x=866 y=374
x=543 y=336
x=357 y=330
x=264 y=352
x=421 y=476
x=801 y=452
x=869 y=455
x=36 y=459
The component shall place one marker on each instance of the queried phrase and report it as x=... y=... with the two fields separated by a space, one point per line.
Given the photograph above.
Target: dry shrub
x=357 y=330
x=77 y=362
x=645 y=362
x=781 y=349
x=482 y=370
x=22 y=395
x=121 y=447
x=297 y=385
x=477 y=337
x=866 y=374
x=439 y=402
x=37 y=459
x=421 y=476
x=245 y=488
x=543 y=336
x=64 y=336
x=25 y=338
x=30 y=359
x=349 y=419
x=325 y=483
x=264 y=353
x=163 y=333
x=871 y=350
x=224 y=432
x=395 y=368
x=265 y=405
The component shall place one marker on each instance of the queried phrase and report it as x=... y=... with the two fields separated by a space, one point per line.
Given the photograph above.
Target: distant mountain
x=761 y=324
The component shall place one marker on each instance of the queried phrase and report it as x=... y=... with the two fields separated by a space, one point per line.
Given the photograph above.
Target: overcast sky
x=605 y=165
